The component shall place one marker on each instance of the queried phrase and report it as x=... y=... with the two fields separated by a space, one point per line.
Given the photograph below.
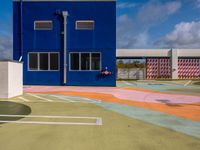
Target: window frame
x=90 y=55
x=49 y=55
x=79 y=57
x=100 y=63
x=43 y=21
x=77 y=21
x=38 y=57
x=28 y=64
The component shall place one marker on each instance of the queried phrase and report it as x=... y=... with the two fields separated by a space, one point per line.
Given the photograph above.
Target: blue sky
x=140 y=24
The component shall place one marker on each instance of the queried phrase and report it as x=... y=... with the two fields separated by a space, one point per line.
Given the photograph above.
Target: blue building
x=66 y=42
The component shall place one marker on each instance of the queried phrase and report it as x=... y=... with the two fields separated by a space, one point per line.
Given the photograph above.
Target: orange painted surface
x=187 y=111
x=158 y=92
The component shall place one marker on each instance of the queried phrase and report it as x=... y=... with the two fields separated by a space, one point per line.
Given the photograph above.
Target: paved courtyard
x=133 y=115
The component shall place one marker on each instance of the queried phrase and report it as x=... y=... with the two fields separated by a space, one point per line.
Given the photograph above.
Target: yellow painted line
x=62 y=98
x=24 y=99
x=188 y=83
x=39 y=97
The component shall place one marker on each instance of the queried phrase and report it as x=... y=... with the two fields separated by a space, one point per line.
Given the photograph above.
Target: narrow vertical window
x=95 y=61
x=44 y=61
x=74 y=61
x=85 y=61
x=54 y=61
x=33 y=61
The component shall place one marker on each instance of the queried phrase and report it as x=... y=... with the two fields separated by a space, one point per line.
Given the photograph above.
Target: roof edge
x=65 y=0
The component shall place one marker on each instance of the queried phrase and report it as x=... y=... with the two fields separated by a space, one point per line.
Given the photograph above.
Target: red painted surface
x=189 y=68
x=158 y=68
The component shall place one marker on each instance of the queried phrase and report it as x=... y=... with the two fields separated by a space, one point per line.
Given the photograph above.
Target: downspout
x=65 y=14
x=21 y=25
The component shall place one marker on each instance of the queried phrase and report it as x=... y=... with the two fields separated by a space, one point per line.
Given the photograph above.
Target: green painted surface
x=162 y=86
x=119 y=132
x=157 y=118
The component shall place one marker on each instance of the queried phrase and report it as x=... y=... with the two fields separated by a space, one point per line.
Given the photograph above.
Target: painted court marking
x=24 y=99
x=40 y=97
x=188 y=83
x=87 y=99
x=66 y=99
x=98 y=120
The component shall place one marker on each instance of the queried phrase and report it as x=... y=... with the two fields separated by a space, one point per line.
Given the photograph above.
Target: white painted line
x=23 y=99
x=48 y=123
x=39 y=116
x=33 y=95
x=14 y=100
x=90 y=100
x=98 y=120
x=71 y=97
x=66 y=99
x=81 y=98
x=188 y=83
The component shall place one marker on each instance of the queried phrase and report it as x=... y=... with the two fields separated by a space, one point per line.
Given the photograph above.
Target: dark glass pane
x=96 y=61
x=85 y=61
x=74 y=61
x=43 y=25
x=33 y=61
x=54 y=61
x=85 y=25
x=44 y=61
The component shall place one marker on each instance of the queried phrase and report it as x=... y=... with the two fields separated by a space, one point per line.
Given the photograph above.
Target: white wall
x=157 y=52
x=173 y=54
x=11 y=79
x=3 y=79
x=143 y=53
x=174 y=63
x=131 y=73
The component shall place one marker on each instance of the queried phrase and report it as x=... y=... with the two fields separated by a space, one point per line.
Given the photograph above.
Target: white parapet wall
x=173 y=54
x=11 y=79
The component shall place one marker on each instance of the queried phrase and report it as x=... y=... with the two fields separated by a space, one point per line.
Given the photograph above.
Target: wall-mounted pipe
x=21 y=29
x=65 y=14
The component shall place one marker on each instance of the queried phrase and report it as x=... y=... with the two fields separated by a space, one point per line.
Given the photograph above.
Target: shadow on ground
x=167 y=102
x=196 y=83
x=12 y=108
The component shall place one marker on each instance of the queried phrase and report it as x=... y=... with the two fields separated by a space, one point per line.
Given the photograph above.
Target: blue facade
x=102 y=39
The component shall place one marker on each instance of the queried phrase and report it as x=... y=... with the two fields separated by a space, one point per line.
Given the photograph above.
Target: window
x=43 y=61
x=85 y=25
x=54 y=61
x=33 y=61
x=43 y=25
x=85 y=61
x=95 y=61
x=74 y=61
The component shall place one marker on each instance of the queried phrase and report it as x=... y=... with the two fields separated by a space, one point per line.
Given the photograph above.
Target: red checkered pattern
x=165 y=68
x=158 y=68
x=189 y=68
x=152 y=68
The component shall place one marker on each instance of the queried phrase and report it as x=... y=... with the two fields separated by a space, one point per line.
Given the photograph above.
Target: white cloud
x=5 y=47
x=126 y=5
x=132 y=31
x=128 y=33
x=198 y=3
x=154 y=11
x=184 y=35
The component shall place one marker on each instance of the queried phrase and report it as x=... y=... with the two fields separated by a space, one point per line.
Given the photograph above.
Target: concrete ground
x=134 y=115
